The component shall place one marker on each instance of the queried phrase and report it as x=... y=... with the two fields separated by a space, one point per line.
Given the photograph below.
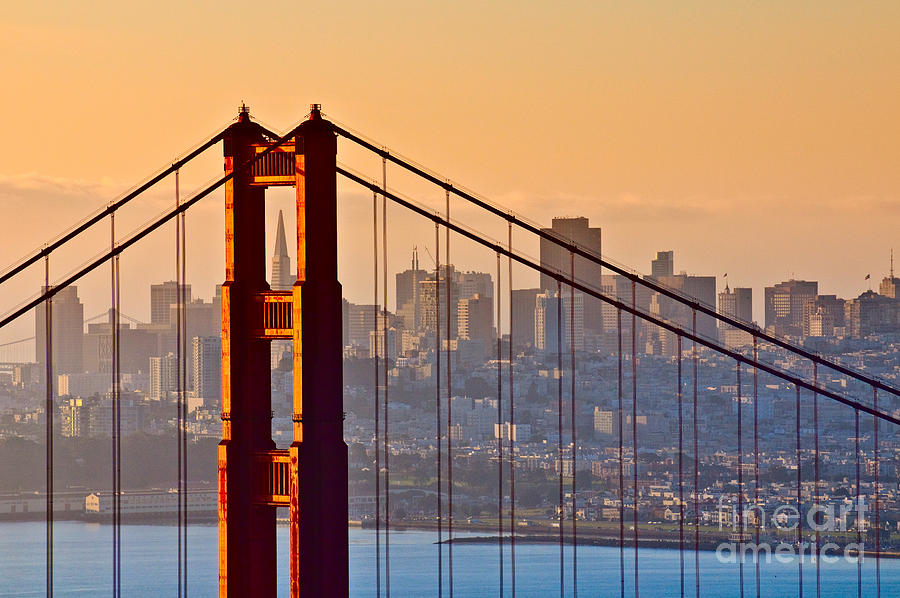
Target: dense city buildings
x=860 y=332
x=784 y=305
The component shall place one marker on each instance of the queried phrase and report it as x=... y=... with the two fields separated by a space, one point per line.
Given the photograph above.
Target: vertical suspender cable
x=118 y=449
x=512 y=426
x=48 y=417
x=559 y=431
x=695 y=359
x=816 y=473
x=377 y=402
x=384 y=324
x=449 y=413
x=572 y=426
x=859 y=554
x=680 y=472
x=179 y=397
x=756 y=508
x=114 y=406
x=877 y=501
x=740 y=484
x=621 y=424
x=184 y=383
x=437 y=390
x=799 y=504
x=634 y=436
x=500 y=430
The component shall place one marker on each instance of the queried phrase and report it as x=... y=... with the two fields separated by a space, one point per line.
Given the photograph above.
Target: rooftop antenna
x=892 y=263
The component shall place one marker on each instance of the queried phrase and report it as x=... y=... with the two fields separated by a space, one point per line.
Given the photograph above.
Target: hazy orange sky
x=758 y=138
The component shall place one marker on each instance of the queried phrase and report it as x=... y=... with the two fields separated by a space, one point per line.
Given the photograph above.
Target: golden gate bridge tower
x=311 y=476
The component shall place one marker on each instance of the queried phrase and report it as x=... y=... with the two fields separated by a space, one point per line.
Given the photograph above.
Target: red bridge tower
x=311 y=476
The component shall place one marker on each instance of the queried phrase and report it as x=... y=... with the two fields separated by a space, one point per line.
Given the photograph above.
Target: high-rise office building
x=433 y=300
x=283 y=277
x=554 y=257
x=737 y=303
x=475 y=283
x=163 y=377
x=206 y=379
x=550 y=311
x=663 y=265
x=162 y=297
x=67 y=332
x=872 y=313
x=784 y=305
x=523 y=302
x=475 y=316
x=701 y=288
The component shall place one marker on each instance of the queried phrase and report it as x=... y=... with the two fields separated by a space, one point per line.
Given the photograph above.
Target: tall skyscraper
x=162 y=297
x=283 y=277
x=784 y=305
x=554 y=257
x=67 y=332
x=663 y=265
x=409 y=306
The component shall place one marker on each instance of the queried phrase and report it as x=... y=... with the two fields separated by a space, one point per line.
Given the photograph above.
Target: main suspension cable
x=646 y=282
x=588 y=290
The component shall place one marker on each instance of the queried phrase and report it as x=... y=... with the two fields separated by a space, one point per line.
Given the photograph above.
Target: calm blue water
x=149 y=567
